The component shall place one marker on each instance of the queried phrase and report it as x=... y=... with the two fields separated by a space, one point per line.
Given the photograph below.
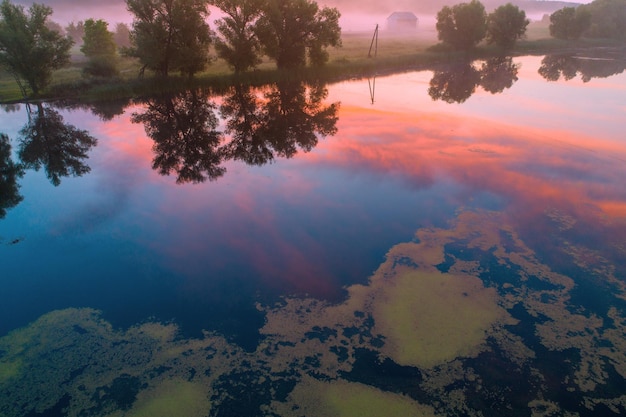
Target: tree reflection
x=498 y=74
x=105 y=110
x=244 y=116
x=9 y=173
x=290 y=116
x=186 y=141
x=456 y=84
x=57 y=146
x=553 y=67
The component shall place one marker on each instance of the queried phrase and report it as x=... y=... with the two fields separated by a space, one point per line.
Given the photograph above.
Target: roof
x=402 y=16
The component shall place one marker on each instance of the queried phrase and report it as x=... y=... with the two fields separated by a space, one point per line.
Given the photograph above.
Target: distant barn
x=402 y=21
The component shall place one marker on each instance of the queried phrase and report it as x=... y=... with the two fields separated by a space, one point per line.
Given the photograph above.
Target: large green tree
x=505 y=25
x=569 y=23
x=290 y=29
x=28 y=48
x=170 y=35
x=463 y=25
x=100 y=48
x=608 y=18
x=238 y=44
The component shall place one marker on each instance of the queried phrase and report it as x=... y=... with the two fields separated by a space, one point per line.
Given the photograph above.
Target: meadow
x=360 y=56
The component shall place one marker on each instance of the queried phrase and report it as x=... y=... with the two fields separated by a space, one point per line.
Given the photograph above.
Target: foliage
x=170 y=35
x=57 y=146
x=9 y=174
x=76 y=31
x=290 y=29
x=569 y=23
x=97 y=39
x=608 y=19
x=122 y=35
x=28 y=49
x=238 y=44
x=462 y=25
x=505 y=25
x=100 y=48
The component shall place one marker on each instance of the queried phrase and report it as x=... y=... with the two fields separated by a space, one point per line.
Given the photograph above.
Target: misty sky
x=356 y=14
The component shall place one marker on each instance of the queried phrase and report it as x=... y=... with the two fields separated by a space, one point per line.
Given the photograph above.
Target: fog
x=357 y=15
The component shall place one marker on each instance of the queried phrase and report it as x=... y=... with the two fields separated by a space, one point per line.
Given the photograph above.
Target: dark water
x=447 y=242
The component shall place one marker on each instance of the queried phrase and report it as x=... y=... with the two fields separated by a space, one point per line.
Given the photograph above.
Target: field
x=360 y=54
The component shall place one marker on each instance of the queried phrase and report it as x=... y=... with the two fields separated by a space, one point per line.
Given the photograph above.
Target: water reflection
x=498 y=74
x=9 y=174
x=568 y=66
x=290 y=117
x=60 y=148
x=259 y=127
x=186 y=141
x=511 y=258
x=105 y=110
x=458 y=82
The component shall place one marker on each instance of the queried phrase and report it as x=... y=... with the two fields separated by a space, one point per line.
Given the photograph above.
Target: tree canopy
x=170 y=35
x=99 y=46
x=505 y=25
x=28 y=48
x=238 y=44
x=569 y=23
x=463 y=25
x=607 y=18
x=289 y=30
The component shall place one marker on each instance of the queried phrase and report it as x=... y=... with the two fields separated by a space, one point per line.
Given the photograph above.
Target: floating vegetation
x=465 y=320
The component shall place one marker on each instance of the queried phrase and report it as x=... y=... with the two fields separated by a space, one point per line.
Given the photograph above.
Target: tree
x=238 y=44
x=100 y=48
x=569 y=23
x=122 y=35
x=28 y=49
x=463 y=25
x=608 y=18
x=170 y=35
x=505 y=25
x=76 y=31
x=290 y=29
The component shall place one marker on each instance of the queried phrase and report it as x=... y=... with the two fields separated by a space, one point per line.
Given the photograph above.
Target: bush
x=101 y=66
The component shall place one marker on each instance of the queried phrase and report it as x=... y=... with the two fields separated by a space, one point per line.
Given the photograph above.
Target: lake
x=447 y=242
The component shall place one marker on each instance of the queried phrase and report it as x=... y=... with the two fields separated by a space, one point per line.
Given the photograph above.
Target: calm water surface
x=448 y=242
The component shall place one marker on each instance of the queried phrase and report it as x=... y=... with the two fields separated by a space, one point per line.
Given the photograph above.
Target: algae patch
x=428 y=317
x=348 y=399
x=172 y=398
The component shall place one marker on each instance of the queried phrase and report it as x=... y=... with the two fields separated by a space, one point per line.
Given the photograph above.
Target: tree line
x=464 y=25
x=169 y=36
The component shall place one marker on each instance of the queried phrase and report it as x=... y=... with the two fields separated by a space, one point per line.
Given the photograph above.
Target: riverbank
x=360 y=56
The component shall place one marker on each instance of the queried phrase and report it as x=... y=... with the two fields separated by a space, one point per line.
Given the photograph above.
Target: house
x=402 y=22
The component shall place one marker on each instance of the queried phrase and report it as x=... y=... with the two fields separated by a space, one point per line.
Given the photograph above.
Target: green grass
x=394 y=54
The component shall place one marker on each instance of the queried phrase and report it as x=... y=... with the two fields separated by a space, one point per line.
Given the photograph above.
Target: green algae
x=173 y=398
x=348 y=399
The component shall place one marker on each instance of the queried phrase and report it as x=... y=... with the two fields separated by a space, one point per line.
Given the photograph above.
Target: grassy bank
x=394 y=53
